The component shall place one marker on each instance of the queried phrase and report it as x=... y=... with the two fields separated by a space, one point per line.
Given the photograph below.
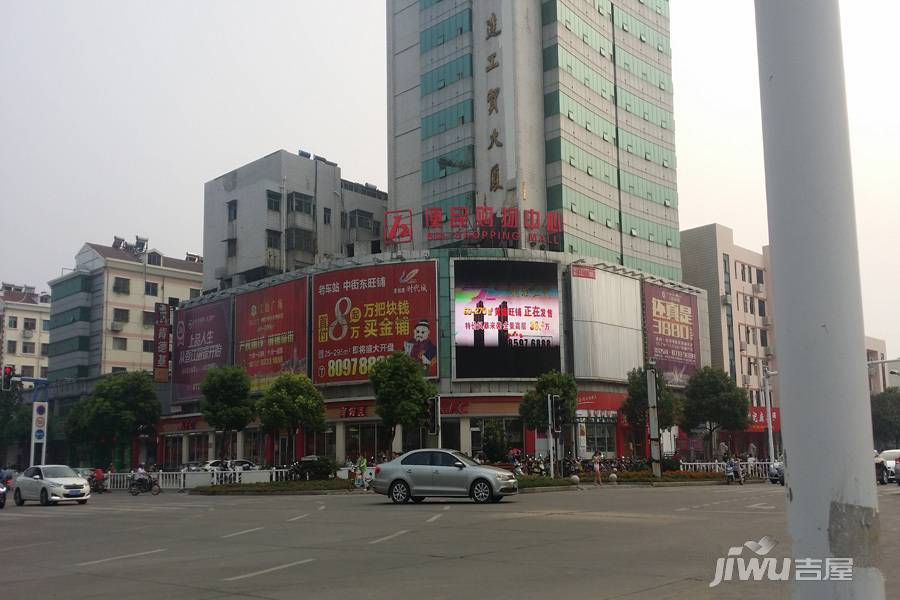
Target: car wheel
x=82 y=502
x=2 y=502
x=155 y=489
x=481 y=491
x=45 y=499
x=884 y=476
x=418 y=499
x=399 y=492
x=17 y=497
x=133 y=490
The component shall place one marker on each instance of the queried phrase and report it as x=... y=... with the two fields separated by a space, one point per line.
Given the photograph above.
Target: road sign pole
x=550 y=432
x=437 y=408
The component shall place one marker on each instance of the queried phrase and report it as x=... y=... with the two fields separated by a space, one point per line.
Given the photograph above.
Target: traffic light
x=557 y=413
x=431 y=416
x=8 y=373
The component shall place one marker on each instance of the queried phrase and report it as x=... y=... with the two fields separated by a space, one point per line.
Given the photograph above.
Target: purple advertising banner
x=673 y=332
x=202 y=341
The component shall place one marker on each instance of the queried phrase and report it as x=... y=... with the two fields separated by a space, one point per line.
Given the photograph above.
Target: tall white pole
x=833 y=511
x=655 y=456
x=768 y=399
x=438 y=419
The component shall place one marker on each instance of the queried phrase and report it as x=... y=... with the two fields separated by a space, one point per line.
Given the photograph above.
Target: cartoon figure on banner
x=421 y=347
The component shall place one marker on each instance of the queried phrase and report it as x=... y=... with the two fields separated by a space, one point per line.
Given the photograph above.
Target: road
x=613 y=542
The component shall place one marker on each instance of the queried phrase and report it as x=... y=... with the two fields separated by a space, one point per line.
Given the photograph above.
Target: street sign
x=38 y=429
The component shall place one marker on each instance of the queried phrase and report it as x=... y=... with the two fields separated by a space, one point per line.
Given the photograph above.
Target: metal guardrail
x=182 y=480
x=752 y=470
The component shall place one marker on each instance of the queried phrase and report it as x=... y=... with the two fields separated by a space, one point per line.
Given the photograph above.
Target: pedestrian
x=596 y=460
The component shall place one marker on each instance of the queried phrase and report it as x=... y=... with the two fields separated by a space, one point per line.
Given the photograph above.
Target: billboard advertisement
x=201 y=342
x=673 y=332
x=270 y=332
x=758 y=419
x=506 y=319
x=162 y=328
x=364 y=314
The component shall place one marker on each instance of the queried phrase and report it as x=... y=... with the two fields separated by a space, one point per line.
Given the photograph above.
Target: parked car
x=51 y=484
x=442 y=473
x=776 y=472
x=890 y=462
x=192 y=467
x=213 y=465
x=242 y=464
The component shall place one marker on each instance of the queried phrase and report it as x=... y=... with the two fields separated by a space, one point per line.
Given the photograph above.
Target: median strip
x=242 y=532
x=122 y=557
x=270 y=570
x=389 y=537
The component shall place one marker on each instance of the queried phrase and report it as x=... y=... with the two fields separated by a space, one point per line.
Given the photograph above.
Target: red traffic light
x=7 y=371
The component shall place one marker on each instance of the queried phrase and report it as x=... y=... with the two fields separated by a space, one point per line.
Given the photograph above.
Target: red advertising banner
x=162 y=331
x=364 y=314
x=202 y=341
x=758 y=419
x=584 y=272
x=270 y=332
x=673 y=332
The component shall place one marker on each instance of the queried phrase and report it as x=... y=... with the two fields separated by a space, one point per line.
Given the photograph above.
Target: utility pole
x=655 y=456
x=550 y=432
x=832 y=512
x=768 y=399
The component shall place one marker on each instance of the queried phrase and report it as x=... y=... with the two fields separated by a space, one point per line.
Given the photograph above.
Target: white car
x=890 y=458
x=50 y=484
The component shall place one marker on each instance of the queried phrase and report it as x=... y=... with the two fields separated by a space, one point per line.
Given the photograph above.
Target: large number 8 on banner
x=340 y=320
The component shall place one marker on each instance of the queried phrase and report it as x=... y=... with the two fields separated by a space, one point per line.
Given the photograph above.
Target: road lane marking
x=242 y=532
x=681 y=509
x=434 y=518
x=389 y=537
x=264 y=571
x=122 y=557
x=447 y=507
x=761 y=505
x=298 y=517
x=322 y=507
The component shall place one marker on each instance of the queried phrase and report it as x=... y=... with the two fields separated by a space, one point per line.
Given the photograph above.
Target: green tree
x=713 y=401
x=15 y=418
x=292 y=401
x=886 y=418
x=533 y=408
x=493 y=441
x=636 y=406
x=118 y=408
x=226 y=402
x=400 y=391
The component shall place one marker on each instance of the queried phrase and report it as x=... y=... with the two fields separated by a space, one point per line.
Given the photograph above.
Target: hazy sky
x=113 y=114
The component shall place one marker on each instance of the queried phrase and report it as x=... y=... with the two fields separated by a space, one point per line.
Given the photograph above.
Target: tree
x=15 y=419
x=714 y=401
x=119 y=407
x=493 y=441
x=636 y=407
x=886 y=418
x=401 y=391
x=291 y=402
x=226 y=402
x=533 y=408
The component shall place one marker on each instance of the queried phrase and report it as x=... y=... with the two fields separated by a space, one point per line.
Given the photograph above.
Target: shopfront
x=600 y=424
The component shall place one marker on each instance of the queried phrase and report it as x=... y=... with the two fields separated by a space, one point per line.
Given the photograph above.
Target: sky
x=114 y=114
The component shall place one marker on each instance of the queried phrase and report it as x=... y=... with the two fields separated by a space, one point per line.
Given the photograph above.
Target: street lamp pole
x=768 y=394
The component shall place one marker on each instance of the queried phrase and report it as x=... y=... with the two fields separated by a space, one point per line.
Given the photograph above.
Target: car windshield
x=890 y=454
x=465 y=459
x=58 y=472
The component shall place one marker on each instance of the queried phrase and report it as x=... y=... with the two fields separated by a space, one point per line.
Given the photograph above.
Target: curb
x=550 y=488
x=278 y=493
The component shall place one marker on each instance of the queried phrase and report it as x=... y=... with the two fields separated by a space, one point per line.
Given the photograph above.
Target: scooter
x=733 y=474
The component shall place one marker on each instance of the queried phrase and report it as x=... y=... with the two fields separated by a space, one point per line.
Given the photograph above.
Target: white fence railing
x=184 y=480
x=752 y=470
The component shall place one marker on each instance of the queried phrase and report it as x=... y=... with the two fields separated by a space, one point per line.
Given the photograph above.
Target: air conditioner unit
x=28 y=333
x=115 y=326
x=726 y=299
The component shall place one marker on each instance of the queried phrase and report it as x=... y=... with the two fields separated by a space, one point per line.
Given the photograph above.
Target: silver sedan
x=442 y=473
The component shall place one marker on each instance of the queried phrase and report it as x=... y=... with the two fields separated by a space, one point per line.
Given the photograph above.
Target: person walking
x=596 y=460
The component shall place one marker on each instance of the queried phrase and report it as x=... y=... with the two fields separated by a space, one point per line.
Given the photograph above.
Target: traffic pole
x=437 y=408
x=832 y=511
x=655 y=457
x=550 y=432
x=768 y=393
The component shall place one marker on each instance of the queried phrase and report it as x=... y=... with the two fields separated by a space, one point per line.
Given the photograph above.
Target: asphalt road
x=632 y=543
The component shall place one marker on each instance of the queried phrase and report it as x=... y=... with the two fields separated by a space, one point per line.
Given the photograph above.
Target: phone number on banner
x=343 y=367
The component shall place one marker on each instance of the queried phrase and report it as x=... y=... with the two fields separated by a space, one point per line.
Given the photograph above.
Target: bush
x=494 y=441
x=319 y=469
x=670 y=464
x=531 y=481
x=275 y=486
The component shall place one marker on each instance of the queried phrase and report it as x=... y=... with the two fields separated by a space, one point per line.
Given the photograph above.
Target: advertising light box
x=202 y=341
x=506 y=319
x=673 y=332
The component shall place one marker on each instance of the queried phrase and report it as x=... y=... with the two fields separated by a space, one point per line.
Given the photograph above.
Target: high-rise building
x=282 y=212
x=24 y=329
x=550 y=115
x=102 y=316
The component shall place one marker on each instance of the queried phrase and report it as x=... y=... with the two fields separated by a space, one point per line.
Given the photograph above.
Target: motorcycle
x=733 y=473
x=97 y=487
x=2 y=495
x=146 y=483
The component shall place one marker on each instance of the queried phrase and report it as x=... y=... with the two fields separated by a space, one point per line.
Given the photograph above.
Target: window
x=148 y=345
x=375 y=247
x=760 y=278
x=27 y=371
x=301 y=239
x=12 y=322
x=119 y=370
x=27 y=347
x=231 y=247
x=231 y=208
x=273 y=239
x=762 y=308
x=349 y=250
x=273 y=200
x=195 y=293
x=154 y=258
x=11 y=346
x=121 y=285
x=752 y=307
x=45 y=349
x=43 y=372
x=301 y=203
x=376 y=227
x=45 y=324
x=763 y=338
x=417 y=458
x=151 y=288
x=746 y=303
x=173 y=301
x=601 y=437
x=343 y=220
x=121 y=315
x=326 y=216
x=120 y=343
x=753 y=335
x=149 y=318
x=29 y=324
